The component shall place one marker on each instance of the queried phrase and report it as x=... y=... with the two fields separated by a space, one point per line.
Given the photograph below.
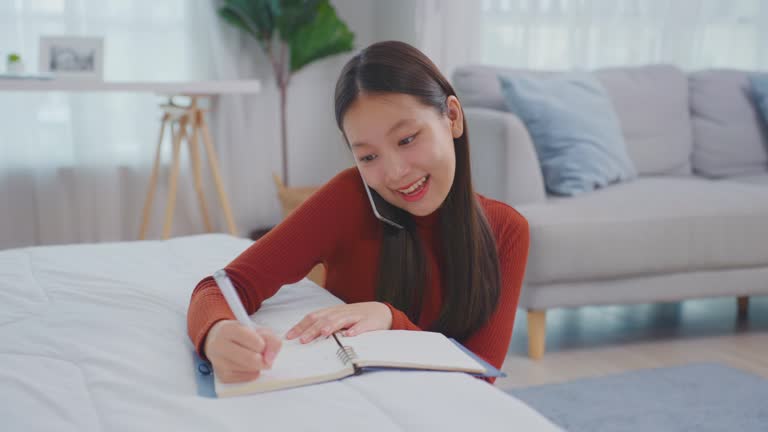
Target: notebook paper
x=296 y=364
x=409 y=349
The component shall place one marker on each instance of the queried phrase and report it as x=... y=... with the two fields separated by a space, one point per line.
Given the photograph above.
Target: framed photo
x=72 y=57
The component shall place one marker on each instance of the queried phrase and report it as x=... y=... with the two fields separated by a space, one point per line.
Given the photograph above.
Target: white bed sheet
x=93 y=337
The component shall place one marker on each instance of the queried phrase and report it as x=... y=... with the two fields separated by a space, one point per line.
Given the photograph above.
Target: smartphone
x=386 y=219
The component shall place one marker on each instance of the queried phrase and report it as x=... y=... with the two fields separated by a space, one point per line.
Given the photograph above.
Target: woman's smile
x=416 y=190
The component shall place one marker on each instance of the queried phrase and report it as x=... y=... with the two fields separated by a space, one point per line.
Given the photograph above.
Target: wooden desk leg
x=214 y=163
x=173 y=178
x=194 y=153
x=153 y=180
x=743 y=306
x=537 y=331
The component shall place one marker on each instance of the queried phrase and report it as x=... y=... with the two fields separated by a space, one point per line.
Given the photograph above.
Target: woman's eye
x=407 y=140
x=368 y=158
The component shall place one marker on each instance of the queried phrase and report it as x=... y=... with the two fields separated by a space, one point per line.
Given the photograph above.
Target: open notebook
x=338 y=356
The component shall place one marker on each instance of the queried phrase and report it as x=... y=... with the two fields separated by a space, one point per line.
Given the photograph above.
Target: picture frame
x=72 y=57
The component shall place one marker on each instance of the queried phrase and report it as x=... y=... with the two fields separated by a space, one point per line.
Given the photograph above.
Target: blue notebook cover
x=490 y=370
x=204 y=377
x=204 y=371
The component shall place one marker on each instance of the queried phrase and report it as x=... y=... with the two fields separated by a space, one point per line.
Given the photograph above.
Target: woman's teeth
x=414 y=187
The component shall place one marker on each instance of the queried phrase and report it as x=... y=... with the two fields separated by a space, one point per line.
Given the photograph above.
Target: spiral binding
x=346 y=354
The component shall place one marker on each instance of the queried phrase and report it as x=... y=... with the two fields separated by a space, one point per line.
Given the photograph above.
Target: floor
x=599 y=340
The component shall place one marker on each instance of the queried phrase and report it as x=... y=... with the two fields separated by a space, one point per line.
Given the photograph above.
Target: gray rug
x=700 y=397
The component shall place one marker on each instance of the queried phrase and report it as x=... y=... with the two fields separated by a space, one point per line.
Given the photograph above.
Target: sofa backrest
x=652 y=105
x=650 y=101
x=729 y=137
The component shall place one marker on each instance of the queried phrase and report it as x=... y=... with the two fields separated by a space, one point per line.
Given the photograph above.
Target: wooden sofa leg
x=537 y=333
x=743 y=303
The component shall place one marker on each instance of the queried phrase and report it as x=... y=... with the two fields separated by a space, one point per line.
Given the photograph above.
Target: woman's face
x=404 y=149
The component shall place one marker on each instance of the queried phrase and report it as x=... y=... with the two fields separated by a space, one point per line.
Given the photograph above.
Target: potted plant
x=13 y=64
x=292 y=34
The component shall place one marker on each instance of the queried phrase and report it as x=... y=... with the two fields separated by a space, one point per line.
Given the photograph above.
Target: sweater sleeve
x=284 y=255
x=491 y=341
x=400 y=320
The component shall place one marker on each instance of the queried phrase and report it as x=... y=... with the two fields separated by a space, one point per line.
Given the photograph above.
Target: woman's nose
x=397 y=168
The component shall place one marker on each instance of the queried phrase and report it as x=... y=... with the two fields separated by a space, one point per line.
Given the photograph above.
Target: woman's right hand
x=239 y=353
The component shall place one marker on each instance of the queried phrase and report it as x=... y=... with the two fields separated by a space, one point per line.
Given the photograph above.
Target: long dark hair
x=469 y=265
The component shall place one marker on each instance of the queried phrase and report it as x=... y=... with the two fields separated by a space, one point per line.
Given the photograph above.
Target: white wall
x=316 y=149
x=395 y=20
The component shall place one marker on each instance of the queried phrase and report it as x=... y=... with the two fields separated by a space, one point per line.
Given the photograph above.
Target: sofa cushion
x=729 y=138
x=505 y=166
x=759 y=86
x=478 y=85
x=651 y=103
x=574 y=129
x=653 y=225
x=759 y=179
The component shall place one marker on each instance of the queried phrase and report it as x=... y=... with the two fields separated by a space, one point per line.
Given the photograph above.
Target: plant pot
x=15 y=68
x=290 y=199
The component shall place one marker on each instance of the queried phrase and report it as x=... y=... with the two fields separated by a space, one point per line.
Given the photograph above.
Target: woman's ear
x=455 y=115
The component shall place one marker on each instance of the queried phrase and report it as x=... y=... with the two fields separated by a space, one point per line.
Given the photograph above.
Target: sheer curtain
x=560 y=34
x=74 y=166
x=449 y=32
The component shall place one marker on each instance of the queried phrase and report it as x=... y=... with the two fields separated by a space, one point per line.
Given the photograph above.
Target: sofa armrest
x=505 y=166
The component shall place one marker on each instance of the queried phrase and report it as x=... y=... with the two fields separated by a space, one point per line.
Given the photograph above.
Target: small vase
x=15 y=68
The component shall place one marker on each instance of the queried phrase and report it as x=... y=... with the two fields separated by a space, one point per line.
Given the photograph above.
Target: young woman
x=433 y=255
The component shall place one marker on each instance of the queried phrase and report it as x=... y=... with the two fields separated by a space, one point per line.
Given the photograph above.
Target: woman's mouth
x=416 y=190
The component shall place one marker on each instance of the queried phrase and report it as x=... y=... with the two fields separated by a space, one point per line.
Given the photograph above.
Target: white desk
x=187 y=123
x=191 y=88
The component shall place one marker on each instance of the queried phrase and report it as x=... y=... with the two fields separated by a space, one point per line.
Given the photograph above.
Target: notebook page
x=404 y=348
x=296 y=364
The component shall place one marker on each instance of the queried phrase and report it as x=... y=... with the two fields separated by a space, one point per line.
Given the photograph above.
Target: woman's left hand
x=356 y=317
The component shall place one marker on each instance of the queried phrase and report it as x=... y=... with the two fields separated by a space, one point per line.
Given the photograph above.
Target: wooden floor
x=593 y=341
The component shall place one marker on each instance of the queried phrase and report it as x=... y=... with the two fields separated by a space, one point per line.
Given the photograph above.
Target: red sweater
x=336 y=227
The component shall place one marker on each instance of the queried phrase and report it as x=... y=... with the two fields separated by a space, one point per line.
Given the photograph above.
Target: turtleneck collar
x=429 y=221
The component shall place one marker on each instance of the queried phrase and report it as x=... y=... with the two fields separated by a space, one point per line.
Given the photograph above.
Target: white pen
x=233 y=300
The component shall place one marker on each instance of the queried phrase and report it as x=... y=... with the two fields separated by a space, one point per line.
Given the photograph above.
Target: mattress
x=93 y=338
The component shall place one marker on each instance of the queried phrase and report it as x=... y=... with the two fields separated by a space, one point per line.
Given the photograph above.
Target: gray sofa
x=693 y=224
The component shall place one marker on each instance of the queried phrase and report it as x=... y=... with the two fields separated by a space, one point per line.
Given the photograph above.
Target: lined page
x=410 y=349
x=296 y=364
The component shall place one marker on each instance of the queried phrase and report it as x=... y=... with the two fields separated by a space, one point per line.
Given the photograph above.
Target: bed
x=93 y=338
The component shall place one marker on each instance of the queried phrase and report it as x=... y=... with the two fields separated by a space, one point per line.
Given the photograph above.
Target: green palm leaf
x=256 y=17
x=294 y=15
x=311 y=28
x=324 y=36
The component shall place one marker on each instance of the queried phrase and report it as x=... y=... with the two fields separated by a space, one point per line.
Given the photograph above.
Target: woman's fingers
x=361 y=326
x=308 y=321
x=337 y=323
x=244 y=359
x=239 y=353
x=302 y=325
x=248 y=338
x=325 y=322
x=261 y=340
x=327 y=325
x=272 y=345
x=235 y=377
